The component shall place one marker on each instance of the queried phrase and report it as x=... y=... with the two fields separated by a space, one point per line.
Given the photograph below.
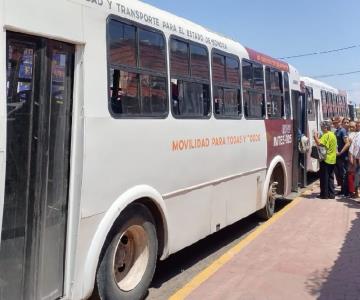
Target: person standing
x=343 y=145
x=327 y=140
x=352 y=131
x=351 y=162
x=354 y=158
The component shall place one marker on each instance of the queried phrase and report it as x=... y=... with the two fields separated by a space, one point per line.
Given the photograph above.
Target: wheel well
x=278 y=176
x=159 y=222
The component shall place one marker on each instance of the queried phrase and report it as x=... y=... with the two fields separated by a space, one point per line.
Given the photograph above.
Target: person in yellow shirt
x=327 y=140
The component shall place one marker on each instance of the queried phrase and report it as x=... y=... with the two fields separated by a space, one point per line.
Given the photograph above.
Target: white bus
x=322 y=103
x=127 y=134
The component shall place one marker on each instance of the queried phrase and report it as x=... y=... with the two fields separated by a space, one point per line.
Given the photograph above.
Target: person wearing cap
x=327 y=140
x=343 y=145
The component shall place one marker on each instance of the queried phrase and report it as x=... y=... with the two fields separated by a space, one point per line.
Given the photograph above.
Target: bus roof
x=314 y=83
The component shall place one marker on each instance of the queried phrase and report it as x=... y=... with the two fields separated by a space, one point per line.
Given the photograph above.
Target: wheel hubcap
x=131 y=258
x=271 y=197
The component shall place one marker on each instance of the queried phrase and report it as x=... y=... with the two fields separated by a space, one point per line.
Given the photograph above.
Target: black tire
x=136 y=216
x=268 y=211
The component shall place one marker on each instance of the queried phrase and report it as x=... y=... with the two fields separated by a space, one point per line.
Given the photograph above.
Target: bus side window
x=287 y=96
x=310 y=104
x=324 y=104
x=274 y=93
x=190 y=83
x=226 y=86
x=137 y=70
x=253 y=90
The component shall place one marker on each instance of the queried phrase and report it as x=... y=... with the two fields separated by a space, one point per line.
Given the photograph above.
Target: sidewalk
x=311 y=252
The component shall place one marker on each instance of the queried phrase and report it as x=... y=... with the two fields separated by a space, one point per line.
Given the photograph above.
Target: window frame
x=252 y=89
x=138 y=70
x=189 y=79
x=226 y=85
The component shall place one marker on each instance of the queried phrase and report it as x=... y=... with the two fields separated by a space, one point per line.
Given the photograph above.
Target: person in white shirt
x=354 y=157
x=352 y=130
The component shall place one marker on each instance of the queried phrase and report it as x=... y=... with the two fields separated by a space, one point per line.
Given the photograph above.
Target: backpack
x=304 y=144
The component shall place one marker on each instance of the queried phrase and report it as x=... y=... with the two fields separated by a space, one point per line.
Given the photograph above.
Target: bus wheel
x=268 y=211
x=127 y=266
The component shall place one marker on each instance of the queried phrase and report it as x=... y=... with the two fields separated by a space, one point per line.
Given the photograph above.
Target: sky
x=282 y=28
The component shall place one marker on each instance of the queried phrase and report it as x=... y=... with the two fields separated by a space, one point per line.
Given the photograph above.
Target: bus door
x=299 y=105
x=39 y=103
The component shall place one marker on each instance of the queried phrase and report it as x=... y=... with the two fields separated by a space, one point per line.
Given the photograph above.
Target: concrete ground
x=311 y=252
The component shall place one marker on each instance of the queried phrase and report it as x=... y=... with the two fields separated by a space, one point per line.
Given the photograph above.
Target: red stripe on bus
x=267 y=60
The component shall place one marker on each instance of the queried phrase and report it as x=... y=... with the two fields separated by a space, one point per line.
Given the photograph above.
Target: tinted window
x=253 y=85
x=323 y=102
x=258 y=77
x=125 y=93
x=227 y=102
x=122 y=44
x=287 y=96
x=329 y=106
x=276 y=81
x=254 y=104
x=134 y=94
x=274 y=93
x=310 y=104
x=179 y=58
x=190 y=87
x=232 y=101
x=323 y=95
x=199 y=62
x=190 y=99
x=227 y=92
x=152 y=50
x=154 y=97
x=247 y=74
x=232 y=71
x=218 y=68
x=328 y=97
x=276 y=109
